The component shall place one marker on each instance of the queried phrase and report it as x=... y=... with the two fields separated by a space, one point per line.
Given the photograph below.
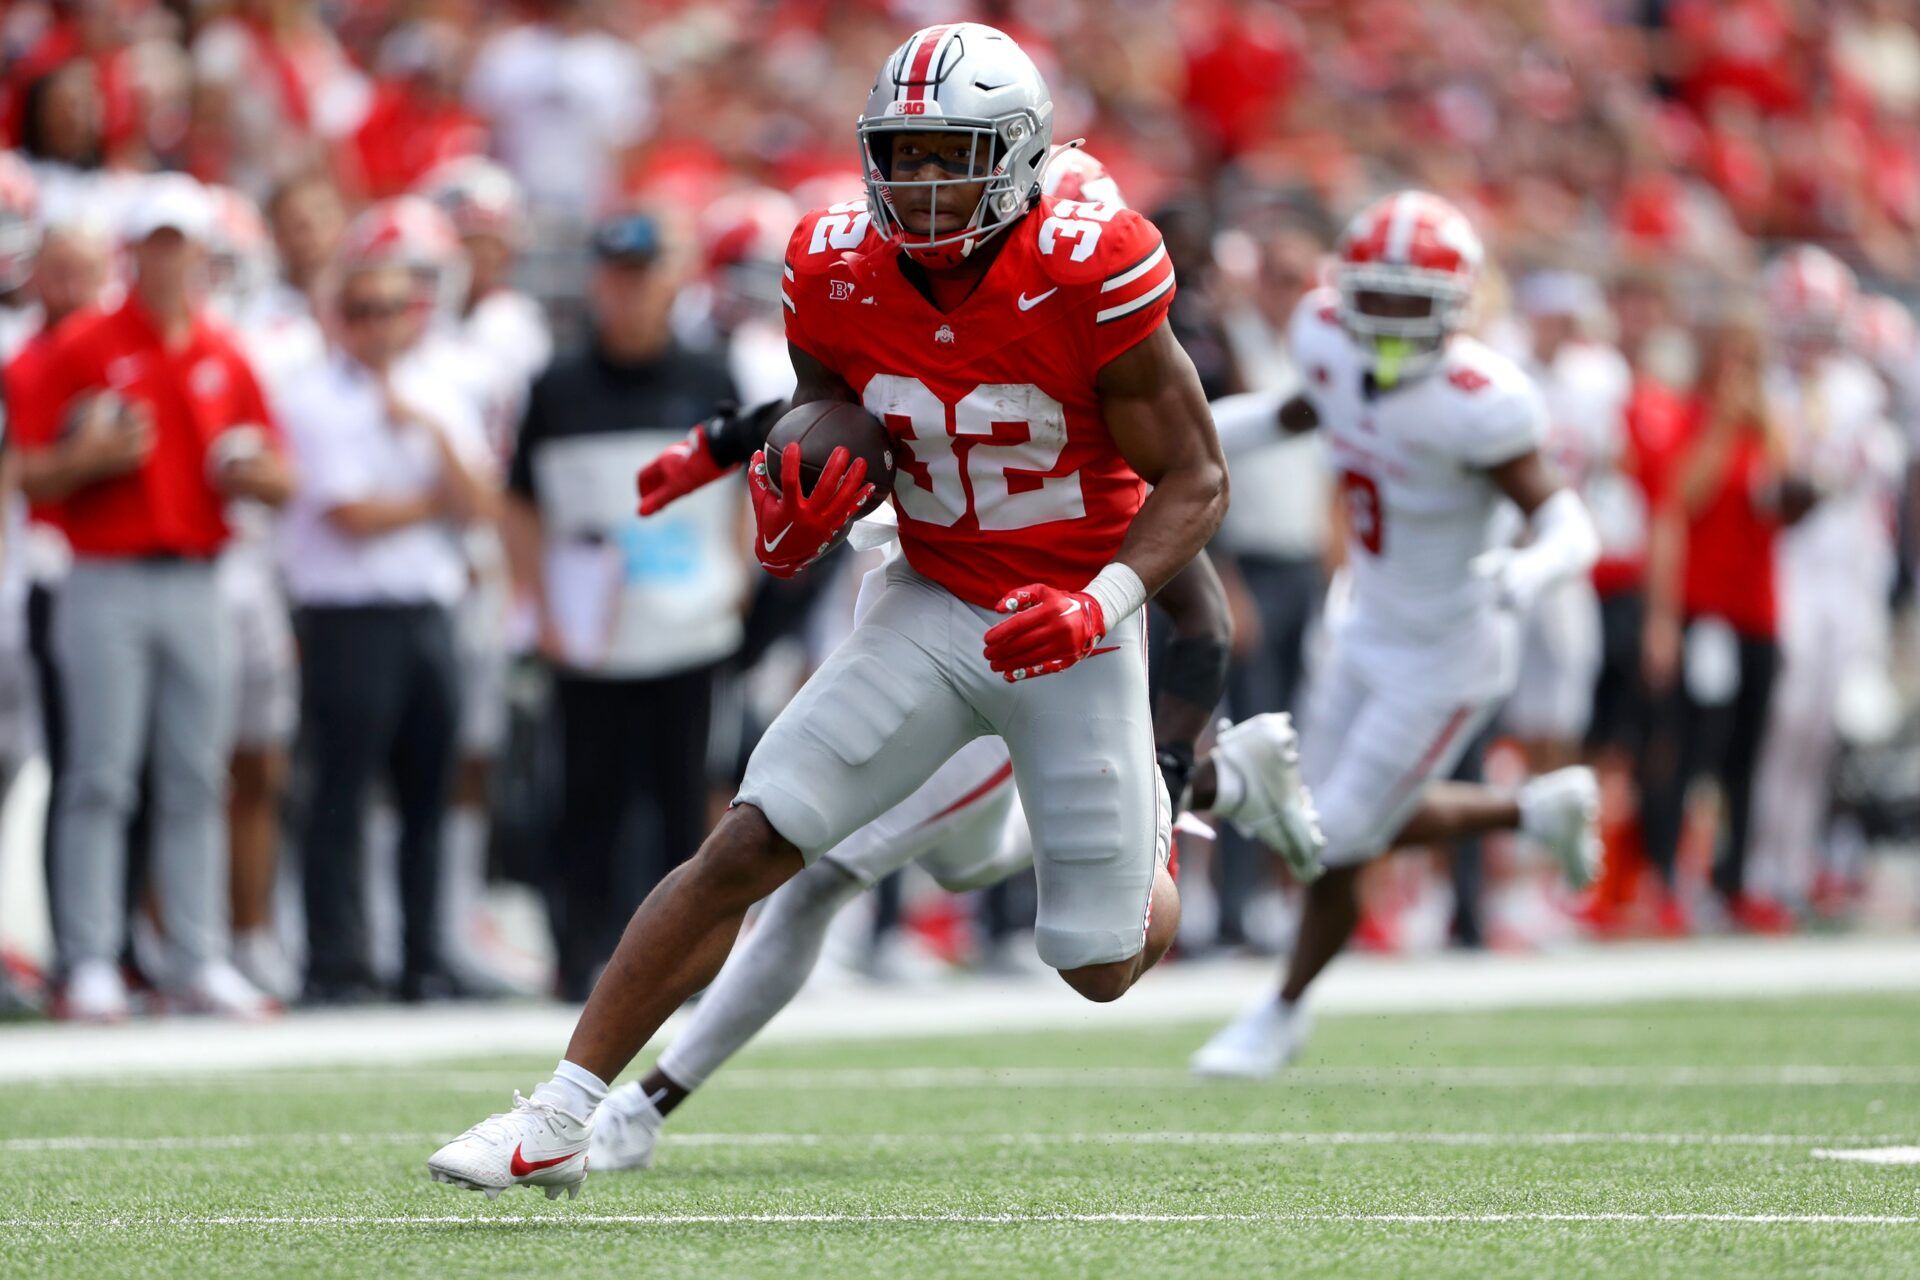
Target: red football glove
x=1049 y=631
x=796 y=530
x=684 y=467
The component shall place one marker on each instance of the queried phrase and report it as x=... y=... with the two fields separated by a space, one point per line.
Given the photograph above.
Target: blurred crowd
x=335 y=333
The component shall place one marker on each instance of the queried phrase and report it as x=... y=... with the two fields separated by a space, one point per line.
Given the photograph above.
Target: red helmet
x=1073 y=174
x=1409 y=245
x=743 y=242
x=1884 y=333
x=409 y=232
x=19 y=221
x=480 y=197
x=1809 y=296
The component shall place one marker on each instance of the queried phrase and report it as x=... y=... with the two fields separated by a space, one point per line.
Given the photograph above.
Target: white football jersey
x=1587 y=387
x=1412 y=465
x=1838 y=436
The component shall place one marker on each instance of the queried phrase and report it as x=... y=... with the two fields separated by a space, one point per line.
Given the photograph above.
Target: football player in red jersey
x=1058 y=464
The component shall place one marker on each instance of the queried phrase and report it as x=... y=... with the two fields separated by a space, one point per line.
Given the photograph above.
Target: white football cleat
x=626 y=1129
x=1562 y=811
x=533 y=1145
x=1277 y=809
x=95 y=992
x=1254 y=1046
x=220 y=989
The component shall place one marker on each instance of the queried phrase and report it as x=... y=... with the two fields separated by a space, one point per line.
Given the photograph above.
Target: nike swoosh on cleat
x=771 y=543
x=1028 y=304
x=521 y=1168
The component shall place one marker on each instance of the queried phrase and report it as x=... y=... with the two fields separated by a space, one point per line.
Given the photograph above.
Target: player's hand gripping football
x=1049 y=631
x=796 y=528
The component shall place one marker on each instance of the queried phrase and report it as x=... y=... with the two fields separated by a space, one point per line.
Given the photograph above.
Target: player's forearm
x=1175 y=523
x=1564 y=542
x=1194 y=674
x=1248 y=421
x=735 y=436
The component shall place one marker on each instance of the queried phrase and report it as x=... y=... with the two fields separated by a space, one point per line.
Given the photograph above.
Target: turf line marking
x=1189 y=1138
x=562 y=1218
x=914 y=1078
x=1872 y=1155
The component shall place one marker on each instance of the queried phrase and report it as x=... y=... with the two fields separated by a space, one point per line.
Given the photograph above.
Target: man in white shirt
x=394 y=468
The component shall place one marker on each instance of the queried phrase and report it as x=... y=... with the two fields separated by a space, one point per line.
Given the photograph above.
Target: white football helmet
x=968 y=79
x=1406 y=269
x=1809 y=296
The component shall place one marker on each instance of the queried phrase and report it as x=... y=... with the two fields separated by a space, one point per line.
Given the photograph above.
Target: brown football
x=823 y=426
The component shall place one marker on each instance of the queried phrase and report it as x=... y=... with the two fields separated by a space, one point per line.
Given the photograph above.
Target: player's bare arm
x=1151 y=401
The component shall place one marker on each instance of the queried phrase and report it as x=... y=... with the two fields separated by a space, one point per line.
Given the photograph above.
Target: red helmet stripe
x=920 y=60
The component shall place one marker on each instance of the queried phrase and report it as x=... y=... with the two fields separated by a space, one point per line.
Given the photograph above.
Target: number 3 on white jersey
x=971 y=453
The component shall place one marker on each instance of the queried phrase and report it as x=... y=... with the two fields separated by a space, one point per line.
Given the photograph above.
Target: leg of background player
x=1327 y=920
x=762 y=976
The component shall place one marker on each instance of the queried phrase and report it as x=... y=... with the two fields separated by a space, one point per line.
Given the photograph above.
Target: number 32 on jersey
x=989 y=454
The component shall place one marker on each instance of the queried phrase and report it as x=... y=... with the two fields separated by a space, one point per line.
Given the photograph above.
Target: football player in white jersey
x=1836 y=569
x=1432 y=434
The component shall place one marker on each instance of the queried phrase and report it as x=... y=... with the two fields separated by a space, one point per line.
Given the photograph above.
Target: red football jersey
x=1006 y=472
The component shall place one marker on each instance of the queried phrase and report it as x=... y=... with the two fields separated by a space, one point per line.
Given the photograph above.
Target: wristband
x=1119 y=592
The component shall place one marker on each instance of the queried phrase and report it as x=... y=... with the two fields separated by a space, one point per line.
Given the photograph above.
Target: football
x=823 y=426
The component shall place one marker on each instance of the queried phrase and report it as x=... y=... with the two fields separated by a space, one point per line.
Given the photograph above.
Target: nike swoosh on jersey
x=520 y=1167
x=771 y=543
x=1027 y=304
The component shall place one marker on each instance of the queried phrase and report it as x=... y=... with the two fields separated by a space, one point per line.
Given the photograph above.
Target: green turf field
x=1656 y=1140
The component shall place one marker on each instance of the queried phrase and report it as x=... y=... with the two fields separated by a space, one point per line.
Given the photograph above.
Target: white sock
x=573 y=1089
x=1229 y=788
x=765 y=971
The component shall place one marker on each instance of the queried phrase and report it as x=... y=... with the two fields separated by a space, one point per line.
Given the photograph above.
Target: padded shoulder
x=1493 y=412
x=825 y=237
x=1081 y=242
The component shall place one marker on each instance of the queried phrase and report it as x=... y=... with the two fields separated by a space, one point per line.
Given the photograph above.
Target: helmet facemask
x=1401 y=315
x=972 y=154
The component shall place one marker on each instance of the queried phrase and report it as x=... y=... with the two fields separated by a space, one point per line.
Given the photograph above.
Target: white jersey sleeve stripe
x=1128 y=308
x=787 y=270
x=1134 y=272
x=788 y=300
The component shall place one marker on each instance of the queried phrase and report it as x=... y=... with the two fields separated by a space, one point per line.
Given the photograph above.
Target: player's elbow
x=1211 y=489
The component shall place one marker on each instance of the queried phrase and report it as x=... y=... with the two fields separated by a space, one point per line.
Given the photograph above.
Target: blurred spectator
x=1712 y=632
x=501 y=334
x=1586 y=385
x=305 y=215
x=635 y=617
x=566 y=99
x=158 y=421
x=1276 y=538
x=273 y=89
x=1836 y=566
x=394 y=466
x=417 y=120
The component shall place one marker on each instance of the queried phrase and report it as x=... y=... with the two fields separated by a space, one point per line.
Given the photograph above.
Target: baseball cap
x=1561 y=293
x=633 y=238
x=169 y=200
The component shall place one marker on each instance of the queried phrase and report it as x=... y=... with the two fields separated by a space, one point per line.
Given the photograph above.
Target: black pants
x=380 y=699
x=1268 y=679
x=1689 y=740
x=634 y=790
x=1620 y=703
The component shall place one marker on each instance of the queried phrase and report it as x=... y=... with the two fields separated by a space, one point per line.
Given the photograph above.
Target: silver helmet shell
x=965 y=78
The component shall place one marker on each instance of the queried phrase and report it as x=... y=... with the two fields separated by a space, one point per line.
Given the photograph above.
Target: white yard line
x=562 y=1218
x=1178 y=994
x=1296 y=1138
x=1873 y=1155
x=907 y=1079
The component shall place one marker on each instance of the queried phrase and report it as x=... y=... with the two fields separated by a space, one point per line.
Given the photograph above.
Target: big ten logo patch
x=840 y=290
